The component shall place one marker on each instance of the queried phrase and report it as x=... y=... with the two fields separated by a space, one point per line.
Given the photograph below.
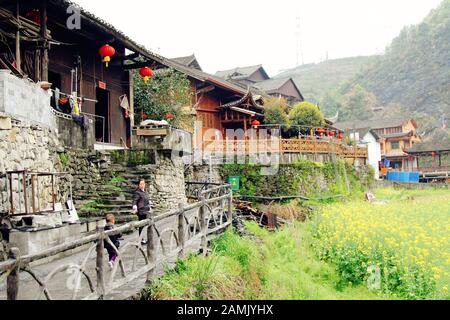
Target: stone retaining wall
x=26 y=146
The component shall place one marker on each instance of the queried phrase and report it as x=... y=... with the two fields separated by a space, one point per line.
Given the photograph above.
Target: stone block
x=5 y=123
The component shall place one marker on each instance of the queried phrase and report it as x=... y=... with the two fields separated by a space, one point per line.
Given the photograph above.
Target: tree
x=305 y=116
x=167 y=92
x=357 y=104
x=275 y=111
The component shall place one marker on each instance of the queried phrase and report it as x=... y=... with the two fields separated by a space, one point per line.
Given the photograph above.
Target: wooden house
x=432 y=159
x=257 y=78
x=396 y=136
x=46 y=49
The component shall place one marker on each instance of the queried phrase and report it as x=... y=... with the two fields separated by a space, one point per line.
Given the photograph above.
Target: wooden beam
x=45 y=45
x=18 y=57
x=132 y=56
x=137 y=65
x=152 y=132
x=206 y=89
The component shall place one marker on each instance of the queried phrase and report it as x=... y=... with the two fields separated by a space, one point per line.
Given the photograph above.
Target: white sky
x=228 y=33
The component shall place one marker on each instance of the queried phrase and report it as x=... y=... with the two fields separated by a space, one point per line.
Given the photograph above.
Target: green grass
x=330 y=256
x=270 y=266
x=90 y=207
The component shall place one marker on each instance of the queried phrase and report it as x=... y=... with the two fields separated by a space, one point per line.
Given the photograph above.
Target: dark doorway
x=55 y=80
x=102 y=111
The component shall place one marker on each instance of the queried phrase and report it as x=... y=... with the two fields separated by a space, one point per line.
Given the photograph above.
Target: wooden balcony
x=284 y=146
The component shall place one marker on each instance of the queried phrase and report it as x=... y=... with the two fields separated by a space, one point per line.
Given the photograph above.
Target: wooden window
x=395 y=145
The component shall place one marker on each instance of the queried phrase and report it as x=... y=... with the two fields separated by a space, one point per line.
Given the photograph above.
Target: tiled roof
x=271 y=84
x=240 y=72
x=363 y=131
x=373 y=123
x=398 y=135
x=247 y=96
x=189 y=61
x=132 y=45
x=429 y=147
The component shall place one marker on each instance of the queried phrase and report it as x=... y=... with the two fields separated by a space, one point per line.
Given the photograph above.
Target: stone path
x=60 y=285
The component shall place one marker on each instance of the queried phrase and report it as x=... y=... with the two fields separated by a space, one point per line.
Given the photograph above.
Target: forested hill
x=315 y=80
x=415 y=71
x=412 y=77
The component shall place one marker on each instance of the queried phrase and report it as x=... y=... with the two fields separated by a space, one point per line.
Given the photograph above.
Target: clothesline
x=79 y=98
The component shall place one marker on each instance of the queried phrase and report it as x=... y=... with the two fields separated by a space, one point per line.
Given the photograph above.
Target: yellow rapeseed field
x=405 y=241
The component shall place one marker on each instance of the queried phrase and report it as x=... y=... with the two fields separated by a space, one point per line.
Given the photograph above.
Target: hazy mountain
x=412 y=77
x=315 y=80
x=415 y=71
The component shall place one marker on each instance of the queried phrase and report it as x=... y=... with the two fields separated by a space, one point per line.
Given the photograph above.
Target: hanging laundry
x=74 y=105
x=82 y=120
x=125 y=105
x=55 y=99
x=64 y=105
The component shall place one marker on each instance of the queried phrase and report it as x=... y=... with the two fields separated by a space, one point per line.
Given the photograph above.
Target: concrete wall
x=374 y=150
x=176 y=140
x=25 y=100
x=73 y=136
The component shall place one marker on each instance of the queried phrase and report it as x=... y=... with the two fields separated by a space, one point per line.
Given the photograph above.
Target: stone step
x=127 y=206
x=112 y=201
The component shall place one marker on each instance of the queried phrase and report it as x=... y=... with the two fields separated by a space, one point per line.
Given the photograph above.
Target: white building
x=369 y=138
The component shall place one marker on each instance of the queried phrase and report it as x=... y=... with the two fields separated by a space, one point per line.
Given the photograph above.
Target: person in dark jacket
x=110 y=223
x=141 y=204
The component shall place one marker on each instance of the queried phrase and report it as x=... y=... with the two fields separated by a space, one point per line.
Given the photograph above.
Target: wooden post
x=11 y=194
x=45 y=44
x=230 y=208
x=18 y=57
x=33 y=192
x=53 y=192
x=12 y=282
x=99 y=263
x=203 y=226
x=25 y=194
x=181 y=227
x=151 y=254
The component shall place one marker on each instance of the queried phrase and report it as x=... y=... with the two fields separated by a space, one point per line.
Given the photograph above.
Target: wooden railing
x=194 y=224
x=302 y=146
x=434 y=169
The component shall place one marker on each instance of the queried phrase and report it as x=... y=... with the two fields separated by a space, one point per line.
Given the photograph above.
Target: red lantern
x=169 y=116
x=256 y=124
x=146 y=73
x=331 y=134
x=107 y=52
x=340 y=136
x=321 y=131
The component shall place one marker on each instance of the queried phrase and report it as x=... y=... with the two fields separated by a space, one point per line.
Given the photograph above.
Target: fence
x=301 y=146
x=24 y=191
x=191 y=224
